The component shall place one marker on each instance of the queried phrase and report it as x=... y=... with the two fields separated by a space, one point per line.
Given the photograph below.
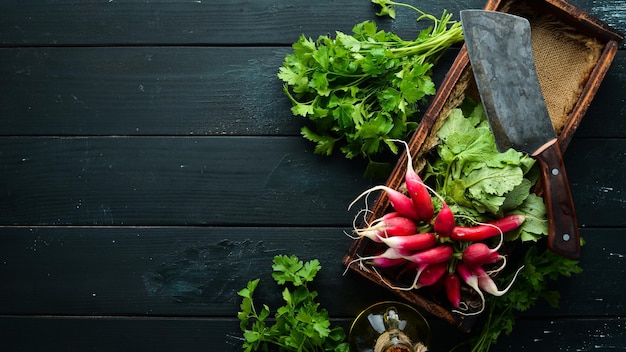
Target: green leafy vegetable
x=480 y=182
x=300 y=324
x=360 y=90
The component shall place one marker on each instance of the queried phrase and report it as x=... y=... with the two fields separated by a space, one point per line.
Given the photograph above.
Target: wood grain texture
x=164 y=271
x=221 y=334
x=612 y=13
x=148 y=91
x=195 y=22
x=144 y=91
x=118 y=334
x=596 y=181
x=605 y=117
x=150 y=167
x=136 y=334
x=594 y=334
x=228 y=180
x=563 y=237
x=174 y=181
x=187 y=271
x=217 y=22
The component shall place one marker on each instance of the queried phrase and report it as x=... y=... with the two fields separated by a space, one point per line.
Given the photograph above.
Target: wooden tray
x=573 y=52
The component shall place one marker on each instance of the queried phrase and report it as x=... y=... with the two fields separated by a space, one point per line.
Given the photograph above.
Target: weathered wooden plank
x=217 y=22
x=211 y=91
x=179 y=334
x=194 y=22
x=606 y=116
x=138 y=334
x=117 y=334
x=571 y=335
x=148 y=91
x=610 y=12
x=598 y=289
x=143 y=91
x=191 y=271
x=596 y=181
x=172 y=180
x=85 y=287
x=227 y=180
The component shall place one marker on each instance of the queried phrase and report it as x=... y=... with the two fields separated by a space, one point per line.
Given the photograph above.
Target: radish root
x=409 y=288
x=467 y=307
x=389 y=254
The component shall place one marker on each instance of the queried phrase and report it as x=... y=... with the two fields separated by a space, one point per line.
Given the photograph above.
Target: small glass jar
x=389 y=327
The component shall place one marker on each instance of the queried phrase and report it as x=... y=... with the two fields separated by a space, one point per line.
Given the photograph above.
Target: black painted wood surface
x=150 y=167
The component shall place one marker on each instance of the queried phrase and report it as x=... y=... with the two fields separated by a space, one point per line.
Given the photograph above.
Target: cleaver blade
x=500 y=52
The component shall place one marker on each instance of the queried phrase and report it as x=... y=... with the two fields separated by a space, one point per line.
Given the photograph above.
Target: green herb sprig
x=532 y=285
x=360 y=90
x=300 y=324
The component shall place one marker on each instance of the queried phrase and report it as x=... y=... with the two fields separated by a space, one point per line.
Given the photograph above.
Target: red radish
x=400 y=202
x=452 y=284
x=433 y=255
x=383 y=262
x=384 y=217
x=383 y=258
x=415 y=242
x=477 y=254
x=420 y=196
x=444 y=221
x=417 y=190
x=486 y=283
x=426 y=275
x=393 y=214
x=438 y=286
x=472 y=281
x=431 y=274
x=381 y=228
x=487 y=230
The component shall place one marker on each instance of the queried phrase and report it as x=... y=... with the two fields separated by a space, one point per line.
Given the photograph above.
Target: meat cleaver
x=500 y=53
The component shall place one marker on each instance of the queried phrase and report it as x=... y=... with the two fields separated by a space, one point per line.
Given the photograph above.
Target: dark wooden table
x=150 y=167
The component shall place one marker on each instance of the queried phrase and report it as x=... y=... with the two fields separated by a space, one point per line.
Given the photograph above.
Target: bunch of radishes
x=444 y=256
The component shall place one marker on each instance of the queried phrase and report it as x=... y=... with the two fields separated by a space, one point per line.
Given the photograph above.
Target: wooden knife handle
x=563 y=236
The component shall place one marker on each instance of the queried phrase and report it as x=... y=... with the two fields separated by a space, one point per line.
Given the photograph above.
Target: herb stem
x=422 y=13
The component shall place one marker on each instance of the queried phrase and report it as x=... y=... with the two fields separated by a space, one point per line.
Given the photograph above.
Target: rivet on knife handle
x=563 y=236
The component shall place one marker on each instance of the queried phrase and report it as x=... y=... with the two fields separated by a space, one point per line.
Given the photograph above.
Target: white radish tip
x=367 y=192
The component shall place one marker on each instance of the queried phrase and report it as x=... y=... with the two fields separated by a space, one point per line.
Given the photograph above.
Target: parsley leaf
x=300 y=324
x=358 y=90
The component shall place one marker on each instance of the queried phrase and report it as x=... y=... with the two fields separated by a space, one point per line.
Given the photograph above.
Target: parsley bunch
x=299 y=325
x=360 y=90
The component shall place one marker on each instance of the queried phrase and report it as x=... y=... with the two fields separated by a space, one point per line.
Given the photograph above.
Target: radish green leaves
x=360 y=90
x=478 y=180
